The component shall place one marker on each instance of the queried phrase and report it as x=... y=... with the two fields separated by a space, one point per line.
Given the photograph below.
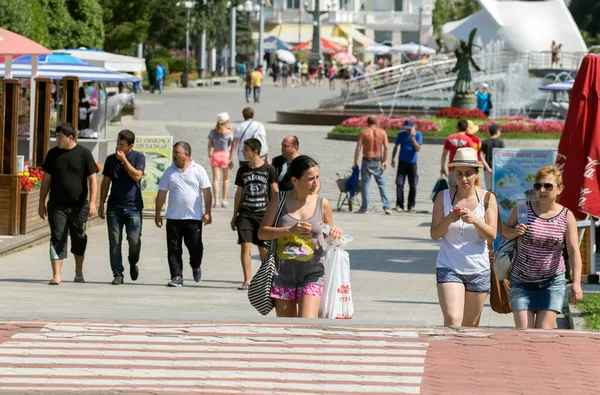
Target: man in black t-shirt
x=487 y=153
x=69 y=170
x=256 y=182
x=124 y=170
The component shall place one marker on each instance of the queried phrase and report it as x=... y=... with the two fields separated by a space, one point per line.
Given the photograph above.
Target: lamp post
x=300 y=22
x=248 y=8
x=184 y=76
x=232 y=49
x=315 y=53
x=261 y=32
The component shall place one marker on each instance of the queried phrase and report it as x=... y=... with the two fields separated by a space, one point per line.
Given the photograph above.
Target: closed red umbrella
x=579 y=148
x=580 y=143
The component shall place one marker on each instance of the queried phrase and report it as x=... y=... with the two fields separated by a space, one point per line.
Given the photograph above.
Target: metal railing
x=434 y=74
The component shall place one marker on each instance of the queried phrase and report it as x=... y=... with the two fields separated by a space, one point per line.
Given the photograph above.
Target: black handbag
x=260 y=286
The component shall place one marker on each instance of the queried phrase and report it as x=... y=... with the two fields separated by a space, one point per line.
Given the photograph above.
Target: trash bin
x=184 y=79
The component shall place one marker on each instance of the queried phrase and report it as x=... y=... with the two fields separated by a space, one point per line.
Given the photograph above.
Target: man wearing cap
x=484 y=99
x=410 y=141
x=460 y=139
x=487 y=153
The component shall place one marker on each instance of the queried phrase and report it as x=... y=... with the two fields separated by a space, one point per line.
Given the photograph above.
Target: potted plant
x=31 y=181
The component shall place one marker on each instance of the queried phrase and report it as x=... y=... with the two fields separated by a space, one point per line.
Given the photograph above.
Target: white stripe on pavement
x=207 y=364
x=314 y=357
x=216 y=339
x=209 y=348
x=249 y=330
x=276 y=374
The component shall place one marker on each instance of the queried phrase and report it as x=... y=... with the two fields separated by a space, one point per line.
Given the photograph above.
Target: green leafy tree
x=167 y=24
x=586 y=14
x=30 y=24
x=126 y=23
x=213 y=17
x=88 y=27
x=452 y=10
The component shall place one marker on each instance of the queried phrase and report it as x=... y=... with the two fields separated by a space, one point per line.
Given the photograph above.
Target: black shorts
x=65 y=221
x=247 y=225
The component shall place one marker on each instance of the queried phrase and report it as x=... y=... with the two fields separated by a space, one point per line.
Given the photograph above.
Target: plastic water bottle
x=522 y=210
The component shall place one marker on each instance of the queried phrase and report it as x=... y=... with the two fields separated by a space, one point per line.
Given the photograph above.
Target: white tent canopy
x=413 y=49
x=522 y=25
x=107 y=60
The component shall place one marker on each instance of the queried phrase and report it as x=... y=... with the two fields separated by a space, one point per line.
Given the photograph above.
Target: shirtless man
x=374 y=144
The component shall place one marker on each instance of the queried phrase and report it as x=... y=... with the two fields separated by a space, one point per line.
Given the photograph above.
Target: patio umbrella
x=580 y=143
x=286 y=56
x=107 y=60
x=377 y=49
x=272 y=44
x=326 y=46
x=344 y=58
x=558 y=86
x=15 y=44
x=57 y=66
x=413 y=49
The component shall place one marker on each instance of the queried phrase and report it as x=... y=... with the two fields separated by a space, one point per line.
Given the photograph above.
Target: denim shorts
x=544 y=295
x=479 y=282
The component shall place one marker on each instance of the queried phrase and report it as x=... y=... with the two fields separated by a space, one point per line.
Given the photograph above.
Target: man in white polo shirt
x=249 y=129
x=188 y=185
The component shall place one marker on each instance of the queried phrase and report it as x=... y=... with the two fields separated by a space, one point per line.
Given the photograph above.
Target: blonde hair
x=550 y=170
x=222 y=125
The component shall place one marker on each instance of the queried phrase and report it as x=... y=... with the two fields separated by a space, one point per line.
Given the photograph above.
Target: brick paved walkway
x=284 y=358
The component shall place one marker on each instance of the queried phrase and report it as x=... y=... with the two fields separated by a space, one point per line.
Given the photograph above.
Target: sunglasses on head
x=547 y=186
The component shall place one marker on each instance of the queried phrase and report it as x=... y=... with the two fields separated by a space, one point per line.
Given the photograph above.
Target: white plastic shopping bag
x=336 y=302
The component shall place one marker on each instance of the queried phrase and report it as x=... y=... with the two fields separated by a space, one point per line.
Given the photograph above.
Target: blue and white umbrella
x=559 y=86
x=59 y=65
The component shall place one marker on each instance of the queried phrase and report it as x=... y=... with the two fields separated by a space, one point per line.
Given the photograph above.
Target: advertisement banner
x=514 y=174
x=158 y=151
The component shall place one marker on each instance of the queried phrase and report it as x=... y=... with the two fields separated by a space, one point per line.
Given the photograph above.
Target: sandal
x=78 y=279
x=225 y=205
x=53 y=282
x=244 y=286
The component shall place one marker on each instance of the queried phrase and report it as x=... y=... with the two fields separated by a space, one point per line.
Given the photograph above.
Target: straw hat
x=222 y=117
x=465 y=157
x=472 y=128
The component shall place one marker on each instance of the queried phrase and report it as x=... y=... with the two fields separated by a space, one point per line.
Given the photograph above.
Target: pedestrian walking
x=247 y=130
x=285 y=72
x=281 y=163
x=331 y=74
x=487 y=153
x=373 y=142
x=219 y=146
x=159 y=77
x=242 y=71
x=298 y=283
x=257 y=80
x=484 y=98
x=537 y=279
x=275 y=71
x=187 y=185
x=410 y=141
x=304 y=73
x=460 y=219
x=69 y=174
x=457 y=140
x=248 y=86
x=122 y=174
x=256 y=183
x=296 y=74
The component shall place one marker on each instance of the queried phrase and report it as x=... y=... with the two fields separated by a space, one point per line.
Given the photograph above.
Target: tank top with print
x=539 y=251
x=463 y=250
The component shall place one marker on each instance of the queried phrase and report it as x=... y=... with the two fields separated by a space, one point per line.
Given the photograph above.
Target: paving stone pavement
x=392 y=257
x=289 y=357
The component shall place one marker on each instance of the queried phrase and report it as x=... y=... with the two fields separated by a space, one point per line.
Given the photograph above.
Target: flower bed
x=388 y=123
x=525 y=125
x=460 y=113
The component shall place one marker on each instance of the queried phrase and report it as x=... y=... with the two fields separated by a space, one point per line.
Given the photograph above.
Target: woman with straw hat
x=464 y=218
x=219 y=144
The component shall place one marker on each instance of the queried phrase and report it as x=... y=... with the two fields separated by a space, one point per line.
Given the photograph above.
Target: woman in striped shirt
x=538 y=274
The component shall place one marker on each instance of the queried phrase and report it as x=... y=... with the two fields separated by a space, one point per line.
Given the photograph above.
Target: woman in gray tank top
x=219 y=143
x=298 y=282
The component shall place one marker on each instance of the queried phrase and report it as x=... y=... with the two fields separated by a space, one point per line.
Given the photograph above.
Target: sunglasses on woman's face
x=547 y=186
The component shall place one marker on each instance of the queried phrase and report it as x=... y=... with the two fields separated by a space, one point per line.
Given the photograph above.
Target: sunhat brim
x=466 y=163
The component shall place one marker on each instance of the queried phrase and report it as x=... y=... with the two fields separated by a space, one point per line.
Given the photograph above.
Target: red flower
x=460 y=113
x=388 y=123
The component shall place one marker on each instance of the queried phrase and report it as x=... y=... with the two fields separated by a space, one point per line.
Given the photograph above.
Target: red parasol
x=15 y=44
x=326 y=46
x=580 y=143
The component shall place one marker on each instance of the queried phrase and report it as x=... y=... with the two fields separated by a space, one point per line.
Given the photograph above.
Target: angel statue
x=464 y=59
